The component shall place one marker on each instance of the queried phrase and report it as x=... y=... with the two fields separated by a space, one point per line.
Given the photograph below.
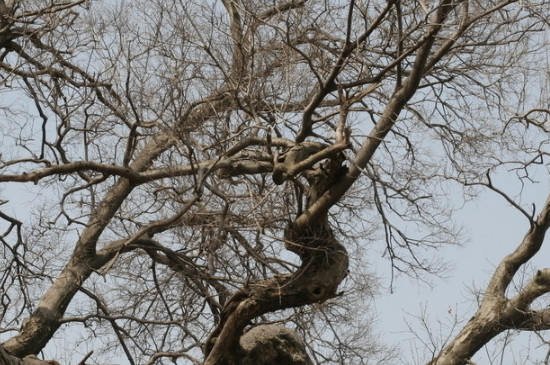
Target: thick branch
x=280 y=8
x=316 y=280
x=7 y=359
x=239 y=164
x=530 y=245
x=536 y=287
x=73 y=167
x=535 y=321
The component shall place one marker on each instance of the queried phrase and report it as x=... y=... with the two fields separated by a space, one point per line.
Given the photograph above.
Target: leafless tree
x=195 y=169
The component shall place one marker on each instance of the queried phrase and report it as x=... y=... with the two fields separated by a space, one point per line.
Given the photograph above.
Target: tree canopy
x=176 y=174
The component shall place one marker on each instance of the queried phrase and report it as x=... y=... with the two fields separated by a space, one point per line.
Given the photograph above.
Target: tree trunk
x=324 y=266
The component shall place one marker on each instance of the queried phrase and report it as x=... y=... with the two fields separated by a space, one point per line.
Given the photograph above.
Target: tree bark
x=324 y=266
x=7 y=359
x=273 y=344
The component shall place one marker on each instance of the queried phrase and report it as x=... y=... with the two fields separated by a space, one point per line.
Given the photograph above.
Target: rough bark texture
x=272 y=344
x=324 y=266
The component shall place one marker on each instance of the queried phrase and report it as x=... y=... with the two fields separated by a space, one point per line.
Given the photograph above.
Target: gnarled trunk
x=324 y=266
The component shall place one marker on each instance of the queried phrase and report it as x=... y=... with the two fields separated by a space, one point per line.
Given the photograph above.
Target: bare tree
x=203 y=168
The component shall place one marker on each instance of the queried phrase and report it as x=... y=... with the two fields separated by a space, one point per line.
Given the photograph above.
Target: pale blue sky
x=494 y=229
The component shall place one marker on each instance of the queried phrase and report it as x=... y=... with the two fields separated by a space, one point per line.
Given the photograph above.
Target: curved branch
x=73 y=167
x=324 y=265
x=529 y=246
x=536 y=287
x=239 y=164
